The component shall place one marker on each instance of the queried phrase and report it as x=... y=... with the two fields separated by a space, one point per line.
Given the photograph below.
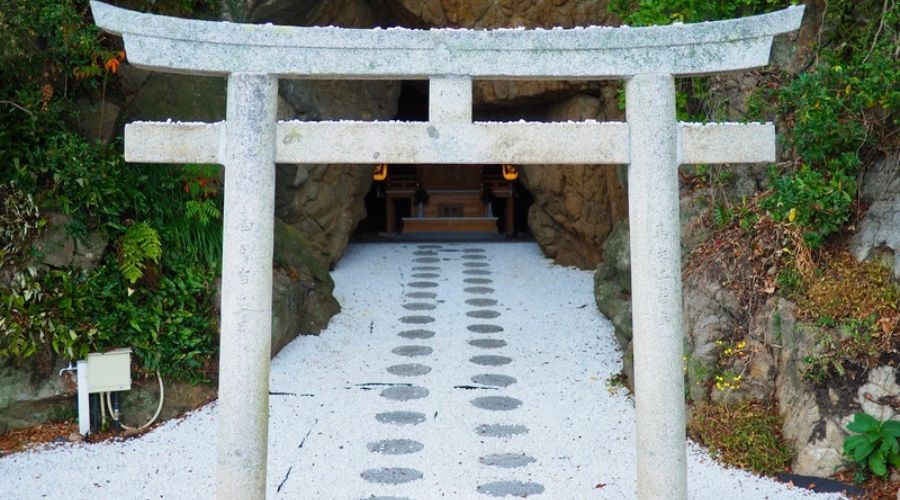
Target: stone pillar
x=656 y=287
x=243 y=407
x=450 y=99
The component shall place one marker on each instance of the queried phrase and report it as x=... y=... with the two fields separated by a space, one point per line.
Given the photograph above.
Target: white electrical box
x=109 y=372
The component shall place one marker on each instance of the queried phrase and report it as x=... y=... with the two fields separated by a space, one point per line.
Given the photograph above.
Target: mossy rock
x=302 y=301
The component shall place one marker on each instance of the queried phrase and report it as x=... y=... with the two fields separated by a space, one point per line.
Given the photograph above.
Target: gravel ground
x=454 y=371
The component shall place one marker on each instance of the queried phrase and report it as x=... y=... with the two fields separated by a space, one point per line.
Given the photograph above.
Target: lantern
x=510 y=172
x=381 y=172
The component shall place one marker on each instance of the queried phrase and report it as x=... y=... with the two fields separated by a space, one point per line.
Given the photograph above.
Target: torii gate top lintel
x=211 y=47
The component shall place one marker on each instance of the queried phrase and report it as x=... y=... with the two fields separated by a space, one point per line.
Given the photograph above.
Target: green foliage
x=139 y=244
x=658 y=12
x=818 y=203
x=164 y=219
x=19 y=222
x=73 y=313
x=873 y=445
x=846 y=344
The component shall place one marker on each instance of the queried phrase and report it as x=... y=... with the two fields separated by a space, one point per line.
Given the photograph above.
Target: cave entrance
x=451 y=201
x=446 y=200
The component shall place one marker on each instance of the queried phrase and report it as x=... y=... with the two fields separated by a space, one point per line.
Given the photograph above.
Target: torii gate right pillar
x=656 y=287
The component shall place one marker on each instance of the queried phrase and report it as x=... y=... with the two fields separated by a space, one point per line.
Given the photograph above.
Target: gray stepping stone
x=473 y=250
x=432 y=246
x=490 y=360
x=494 y=380
x=481 y=302
x=409 y=370
x=511 y=488
x=477 y=272
x=416 y=334
x=480 y=290
x=426 y=268
x=421 y=295
x=507 y=460
x=428 y=253
x=419 y=306
x=426 y=275
x=478 y=281
x=485 y=328
x=475 y=256
x=476 y=264
x=427 y=260
x=391 y=475
x=417 y=320
x=500 y=430
x=449 y=250
x=401 y=417
x=483 y=314
x=398 y=447
x=422 y=284
x=492 y=403
x=404 y=392
x=488 y=343
x=412 y=350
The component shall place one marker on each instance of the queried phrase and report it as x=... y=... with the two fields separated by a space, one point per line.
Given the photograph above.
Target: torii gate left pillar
x=250 y=142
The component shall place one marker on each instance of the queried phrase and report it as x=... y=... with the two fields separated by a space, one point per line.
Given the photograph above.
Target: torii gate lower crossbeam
x=250 y=142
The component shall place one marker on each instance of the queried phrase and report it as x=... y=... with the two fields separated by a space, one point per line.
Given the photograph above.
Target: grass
x=746 y=436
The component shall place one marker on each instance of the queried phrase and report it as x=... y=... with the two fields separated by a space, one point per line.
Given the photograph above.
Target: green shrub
x=67 y=313
x=873 y=445
x=817 y=203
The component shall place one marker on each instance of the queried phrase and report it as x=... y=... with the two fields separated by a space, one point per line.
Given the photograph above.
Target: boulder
x=164 y=96
x=56 y=247
x=140 y=403
x=28 y=397
x=878 y=234
x=302 y=301
x=612 y=283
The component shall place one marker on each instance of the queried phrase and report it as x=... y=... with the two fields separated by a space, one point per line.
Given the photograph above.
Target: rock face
x=27 y=398
x=302 y=299
x=575 y=206
x=55 y=247
x=509 y=13
x=878 y=236
x=326 y=202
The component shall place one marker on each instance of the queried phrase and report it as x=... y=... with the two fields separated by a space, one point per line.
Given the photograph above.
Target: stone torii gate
x=250 y=141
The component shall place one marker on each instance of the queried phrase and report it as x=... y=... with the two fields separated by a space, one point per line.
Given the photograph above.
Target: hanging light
x=380 y=172
x=510 y=172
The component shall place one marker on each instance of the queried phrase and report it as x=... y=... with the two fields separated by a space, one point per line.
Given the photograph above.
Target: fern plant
x=139 y=244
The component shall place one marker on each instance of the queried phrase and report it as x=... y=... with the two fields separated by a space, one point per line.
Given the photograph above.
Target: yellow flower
x=792 y=215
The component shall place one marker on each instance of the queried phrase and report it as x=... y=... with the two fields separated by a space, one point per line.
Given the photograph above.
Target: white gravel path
x=563 y=352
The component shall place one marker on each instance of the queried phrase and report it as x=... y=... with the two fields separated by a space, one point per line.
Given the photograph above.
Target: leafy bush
x=160 y=219
x=67 y=313
x=873 y=445
x=817 y=203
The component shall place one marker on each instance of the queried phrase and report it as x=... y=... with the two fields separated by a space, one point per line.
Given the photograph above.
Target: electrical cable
x=107 y=401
